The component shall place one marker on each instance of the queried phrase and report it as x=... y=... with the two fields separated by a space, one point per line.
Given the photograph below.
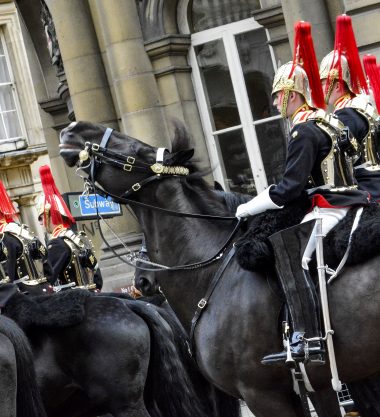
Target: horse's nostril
x=143 y=283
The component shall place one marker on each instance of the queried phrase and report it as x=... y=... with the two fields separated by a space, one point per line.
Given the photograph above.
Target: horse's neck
x=173 y=239
x=176 y=241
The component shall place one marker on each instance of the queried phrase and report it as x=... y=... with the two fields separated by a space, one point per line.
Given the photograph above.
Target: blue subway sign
x=92 y=204
x=87 y=207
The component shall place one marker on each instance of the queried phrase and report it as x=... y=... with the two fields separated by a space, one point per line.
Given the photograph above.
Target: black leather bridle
x=99 y=154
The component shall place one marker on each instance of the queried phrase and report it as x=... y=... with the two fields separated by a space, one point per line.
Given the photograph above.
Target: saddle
x=254 y=252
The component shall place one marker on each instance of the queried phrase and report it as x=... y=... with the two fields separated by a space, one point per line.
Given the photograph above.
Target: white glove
x=258 y=204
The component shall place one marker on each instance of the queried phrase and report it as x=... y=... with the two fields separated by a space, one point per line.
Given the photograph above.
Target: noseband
x=99 y=154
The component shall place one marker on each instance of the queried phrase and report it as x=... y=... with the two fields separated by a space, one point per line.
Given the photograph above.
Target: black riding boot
x=300 y=293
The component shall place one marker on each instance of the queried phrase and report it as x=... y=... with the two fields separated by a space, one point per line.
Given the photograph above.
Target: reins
x=99 y=154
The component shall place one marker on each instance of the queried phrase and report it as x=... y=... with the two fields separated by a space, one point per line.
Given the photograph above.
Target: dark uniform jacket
x=14 y=251
x=59 y=256
x=308 y=146
x=359 y=126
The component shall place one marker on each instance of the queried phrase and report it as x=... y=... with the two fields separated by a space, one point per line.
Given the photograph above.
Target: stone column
x=168 y=55
x=365 y=16
x=129 y=70
x=91 y=98
x=28 y=212
x=90 y=95
x=271 y=17
x=16 y=175
x=315 y=12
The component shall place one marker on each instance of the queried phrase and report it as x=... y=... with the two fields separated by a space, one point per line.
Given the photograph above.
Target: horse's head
x=125 y=161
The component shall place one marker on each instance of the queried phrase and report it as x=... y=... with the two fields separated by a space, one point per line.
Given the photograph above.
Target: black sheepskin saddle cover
x=66 y=308
x=254 y=251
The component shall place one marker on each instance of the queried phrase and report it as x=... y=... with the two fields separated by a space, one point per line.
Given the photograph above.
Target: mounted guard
x=319 y=161
x=345 y=88
x=24 y=257
x=70 y=253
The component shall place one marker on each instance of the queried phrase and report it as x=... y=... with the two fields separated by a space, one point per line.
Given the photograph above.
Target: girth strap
x=204 y=301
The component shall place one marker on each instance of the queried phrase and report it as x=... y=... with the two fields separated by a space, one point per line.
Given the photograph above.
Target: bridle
x=98 y=154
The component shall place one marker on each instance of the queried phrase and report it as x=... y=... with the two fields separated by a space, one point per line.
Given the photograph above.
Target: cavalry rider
x=314 y=163
x=70 y=254
x=24 y=257
x=345 y=88
x=7 y=212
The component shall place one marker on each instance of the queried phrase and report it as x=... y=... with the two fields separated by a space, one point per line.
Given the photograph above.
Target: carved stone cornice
x=53 y=106
x=21 y=157
x=269 y=17
x=27 y=199
x=168 y=45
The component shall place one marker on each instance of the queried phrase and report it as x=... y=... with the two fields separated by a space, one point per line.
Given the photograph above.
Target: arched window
x=233 y=68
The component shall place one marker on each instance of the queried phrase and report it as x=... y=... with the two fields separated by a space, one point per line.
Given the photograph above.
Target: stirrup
x=305 y=354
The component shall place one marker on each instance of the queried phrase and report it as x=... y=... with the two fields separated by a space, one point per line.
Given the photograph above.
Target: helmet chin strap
x=284 y=104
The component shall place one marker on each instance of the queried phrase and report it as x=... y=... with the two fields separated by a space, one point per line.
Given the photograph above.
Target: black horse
x=19 y=395
x=102 y=354
x=240 y=324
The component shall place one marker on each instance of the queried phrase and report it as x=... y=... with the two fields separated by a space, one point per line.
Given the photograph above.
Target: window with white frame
x=10 y=127
x=233 y=69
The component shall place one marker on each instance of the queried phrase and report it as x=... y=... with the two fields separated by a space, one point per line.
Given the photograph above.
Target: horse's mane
x=210 y=200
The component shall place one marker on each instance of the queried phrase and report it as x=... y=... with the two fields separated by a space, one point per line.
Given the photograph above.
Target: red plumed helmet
x=7 y=210
x=304 y=55
x=345 y=44
x=53 y=202
x=372 y=71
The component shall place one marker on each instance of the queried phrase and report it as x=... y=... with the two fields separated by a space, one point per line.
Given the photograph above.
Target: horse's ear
x=180 y=157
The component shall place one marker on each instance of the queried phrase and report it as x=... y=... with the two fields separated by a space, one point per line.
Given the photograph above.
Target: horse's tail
x=29 y=402
x=168 y=387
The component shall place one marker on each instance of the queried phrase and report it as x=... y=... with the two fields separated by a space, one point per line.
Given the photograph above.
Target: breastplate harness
x=29 y=264
x=371 y=143
x=82 y=264
x=337 y=167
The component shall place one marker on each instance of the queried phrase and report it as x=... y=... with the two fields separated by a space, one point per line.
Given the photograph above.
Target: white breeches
x=330 y=217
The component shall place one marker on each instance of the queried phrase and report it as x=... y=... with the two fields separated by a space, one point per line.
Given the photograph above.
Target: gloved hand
x=258 y=204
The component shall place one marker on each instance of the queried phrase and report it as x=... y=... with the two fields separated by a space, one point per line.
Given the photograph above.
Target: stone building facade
x=134 y=65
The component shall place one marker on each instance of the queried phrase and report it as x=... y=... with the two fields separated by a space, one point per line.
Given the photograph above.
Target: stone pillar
x=28 y=212
x=91 y=98
x=365 y=16
x=129 y=70
x=90 y=95
x=315 y=12
x=168 y=55
x=272 y=19
x=16 y=175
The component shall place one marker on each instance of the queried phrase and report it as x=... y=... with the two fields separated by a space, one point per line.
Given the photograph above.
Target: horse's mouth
x=70 y=153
